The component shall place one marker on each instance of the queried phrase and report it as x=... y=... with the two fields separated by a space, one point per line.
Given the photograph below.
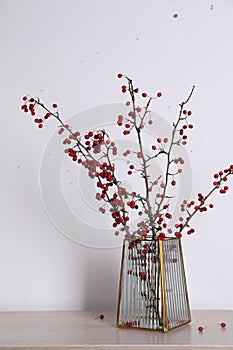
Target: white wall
x=70 y=51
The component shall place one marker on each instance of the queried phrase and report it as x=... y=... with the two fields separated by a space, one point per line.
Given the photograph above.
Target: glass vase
x=152 y=291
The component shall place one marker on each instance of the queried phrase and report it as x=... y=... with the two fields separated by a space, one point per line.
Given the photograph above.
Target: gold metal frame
x=163 y=289
x=185 y=283
x=164 y=307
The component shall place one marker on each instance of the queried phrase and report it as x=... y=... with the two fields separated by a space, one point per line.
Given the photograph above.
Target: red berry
x=119 y=75
x=153 y=147
x=60 y=131
x=101 y=316
x=131 y=114
x=189 y=112
x=159 y=94
x=150 y=122
x=181 y=160
x=40 y=126
x=54 y=105
x=178 y=234
x=139 y=154
x=200 y=328
x=144 y=94
x=223 y=324
x=159 y=140
x=25 y=98
x=173 y=182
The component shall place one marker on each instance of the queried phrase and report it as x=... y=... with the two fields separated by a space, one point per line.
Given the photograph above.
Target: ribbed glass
x=152 y=293
x=177 y=306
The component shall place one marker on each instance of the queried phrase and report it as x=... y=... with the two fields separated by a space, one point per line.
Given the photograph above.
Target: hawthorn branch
x=169 y=160
x=202 y=204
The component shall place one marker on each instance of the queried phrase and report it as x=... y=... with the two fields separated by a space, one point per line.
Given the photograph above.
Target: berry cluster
x=119 y=219
x=30 y=105
x=220 y=178
x=184 y=127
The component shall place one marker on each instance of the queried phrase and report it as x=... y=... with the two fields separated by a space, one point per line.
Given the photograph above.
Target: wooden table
x=69 y=330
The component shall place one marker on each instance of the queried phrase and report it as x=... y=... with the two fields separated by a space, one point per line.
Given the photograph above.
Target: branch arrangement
x=95 y=152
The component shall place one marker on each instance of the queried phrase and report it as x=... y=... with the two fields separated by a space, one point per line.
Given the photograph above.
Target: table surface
x=69 y=330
